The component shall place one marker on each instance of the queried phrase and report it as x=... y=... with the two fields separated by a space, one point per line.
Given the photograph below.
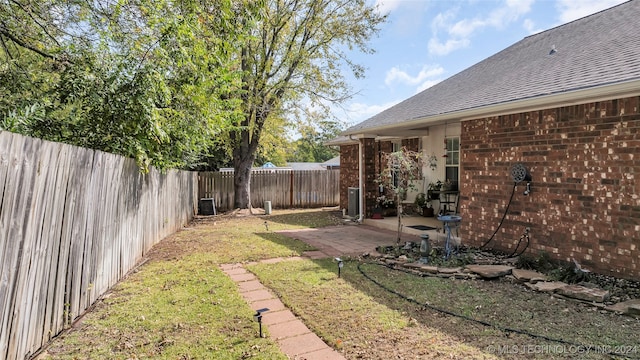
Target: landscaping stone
x=421 y=267
x=490 y=271
x=630 y=307
x=584 y=293
x=528 y=276
x=429 y=269
x=465 y=276
x=413 y=265
x=546 y=286
x=449 y=271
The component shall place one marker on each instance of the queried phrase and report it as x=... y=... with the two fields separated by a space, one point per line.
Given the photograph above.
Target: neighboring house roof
x=332 y=163
x=592 y=55
x=305 y=166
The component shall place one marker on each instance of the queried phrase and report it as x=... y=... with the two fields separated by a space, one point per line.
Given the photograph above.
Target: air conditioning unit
x=354 y=201
x=207 y=206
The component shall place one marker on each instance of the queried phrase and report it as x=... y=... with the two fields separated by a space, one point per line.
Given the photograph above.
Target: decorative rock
x=528 y=276
x=584 y=293
x=630 y=307
x=403 y=258
x=490 y=271
x=449 y=270
x=465 y=276
x=412 y=265
x=428 y=269
x=547 y=286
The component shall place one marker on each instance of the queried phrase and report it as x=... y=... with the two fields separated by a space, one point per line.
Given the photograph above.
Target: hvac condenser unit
x=354 y=201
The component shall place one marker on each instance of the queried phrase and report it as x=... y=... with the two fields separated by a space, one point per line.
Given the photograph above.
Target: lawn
x=179 y=305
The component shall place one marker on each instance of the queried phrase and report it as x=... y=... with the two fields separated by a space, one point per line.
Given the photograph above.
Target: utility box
x=207 y=206
x=354 y=201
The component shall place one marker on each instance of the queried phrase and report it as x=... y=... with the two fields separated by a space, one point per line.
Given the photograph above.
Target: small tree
x=399 y=170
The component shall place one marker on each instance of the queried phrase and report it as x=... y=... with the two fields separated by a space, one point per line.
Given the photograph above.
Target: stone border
x=533 y=280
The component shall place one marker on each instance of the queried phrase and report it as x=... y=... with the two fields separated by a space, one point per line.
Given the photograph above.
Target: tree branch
x=22 y=44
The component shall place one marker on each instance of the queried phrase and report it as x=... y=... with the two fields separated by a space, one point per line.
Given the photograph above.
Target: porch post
x=368 y=186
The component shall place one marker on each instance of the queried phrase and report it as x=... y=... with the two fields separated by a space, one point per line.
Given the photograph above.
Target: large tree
x=294 y=52
x=149 y=79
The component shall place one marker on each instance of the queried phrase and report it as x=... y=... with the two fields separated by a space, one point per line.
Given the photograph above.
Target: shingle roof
x=603 y=48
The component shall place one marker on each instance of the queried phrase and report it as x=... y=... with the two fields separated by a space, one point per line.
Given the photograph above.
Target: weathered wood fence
x=73 y=222
x=284 y=188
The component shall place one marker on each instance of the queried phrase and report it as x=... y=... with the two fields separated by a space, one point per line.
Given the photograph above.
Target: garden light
x=258 y=317
x=340 y=265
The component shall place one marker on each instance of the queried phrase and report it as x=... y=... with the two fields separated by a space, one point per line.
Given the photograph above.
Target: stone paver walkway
x=291 y=334
x=350 y=240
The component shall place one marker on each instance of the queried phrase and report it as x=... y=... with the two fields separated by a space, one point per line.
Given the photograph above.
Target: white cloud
x=570 y=10
x=398 y=75
x=459 y=32
x=443 y=48
x=358 y=112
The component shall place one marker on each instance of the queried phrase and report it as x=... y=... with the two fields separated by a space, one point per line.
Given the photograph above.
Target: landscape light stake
x=340 y=265
x=258 y=317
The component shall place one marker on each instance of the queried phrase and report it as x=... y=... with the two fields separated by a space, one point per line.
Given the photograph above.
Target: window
x=452 y=164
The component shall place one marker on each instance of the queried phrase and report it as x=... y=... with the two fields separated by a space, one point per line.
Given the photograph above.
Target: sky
x=426 y=41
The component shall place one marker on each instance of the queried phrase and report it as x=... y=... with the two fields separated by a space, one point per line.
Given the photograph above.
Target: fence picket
x=283 y=187
x=73 y=221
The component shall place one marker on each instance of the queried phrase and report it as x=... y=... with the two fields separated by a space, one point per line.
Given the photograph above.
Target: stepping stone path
x=291 y=334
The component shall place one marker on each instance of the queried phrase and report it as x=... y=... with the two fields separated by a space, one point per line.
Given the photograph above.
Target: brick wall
x=585 y=200
x=348 y=172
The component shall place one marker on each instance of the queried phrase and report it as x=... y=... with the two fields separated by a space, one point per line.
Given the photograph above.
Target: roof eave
x=579 y=96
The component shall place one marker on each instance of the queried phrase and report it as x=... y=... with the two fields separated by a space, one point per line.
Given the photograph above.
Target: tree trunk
x=243 y=158
x=242 y=180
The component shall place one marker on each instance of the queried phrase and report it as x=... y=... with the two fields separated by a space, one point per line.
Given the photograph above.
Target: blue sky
x=427 y=41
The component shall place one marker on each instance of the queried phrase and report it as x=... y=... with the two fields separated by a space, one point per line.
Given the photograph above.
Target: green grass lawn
x=180 y=305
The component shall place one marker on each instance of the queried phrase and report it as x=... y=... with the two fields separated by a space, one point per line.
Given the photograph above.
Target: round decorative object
x=519 y=173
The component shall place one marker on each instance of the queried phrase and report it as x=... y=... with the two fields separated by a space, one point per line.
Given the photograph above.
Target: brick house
x=566 y=104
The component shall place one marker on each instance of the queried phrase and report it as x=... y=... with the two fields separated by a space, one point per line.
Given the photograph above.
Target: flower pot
x=427 y=212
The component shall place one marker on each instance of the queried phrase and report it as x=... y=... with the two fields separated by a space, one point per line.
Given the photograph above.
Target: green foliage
x=146 y=79
x=291 y=56
x=399 y=170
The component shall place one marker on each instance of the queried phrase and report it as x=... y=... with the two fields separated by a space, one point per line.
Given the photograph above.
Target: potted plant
x=433 y=190
x=424 y=203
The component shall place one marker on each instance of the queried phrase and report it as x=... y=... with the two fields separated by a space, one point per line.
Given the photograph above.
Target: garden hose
x=506 y=210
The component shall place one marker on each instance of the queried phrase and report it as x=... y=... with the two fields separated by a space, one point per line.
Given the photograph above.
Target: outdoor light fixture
x=340 y=265
x=258 y=317
x=266 y=225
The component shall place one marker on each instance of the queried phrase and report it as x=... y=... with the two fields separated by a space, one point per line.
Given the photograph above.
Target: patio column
x=369 y=186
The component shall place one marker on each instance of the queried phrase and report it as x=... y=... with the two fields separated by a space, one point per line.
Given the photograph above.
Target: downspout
x=360 y=177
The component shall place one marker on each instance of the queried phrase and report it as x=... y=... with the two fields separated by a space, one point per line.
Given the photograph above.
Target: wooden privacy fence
x=73 y=222
x=284 y=188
